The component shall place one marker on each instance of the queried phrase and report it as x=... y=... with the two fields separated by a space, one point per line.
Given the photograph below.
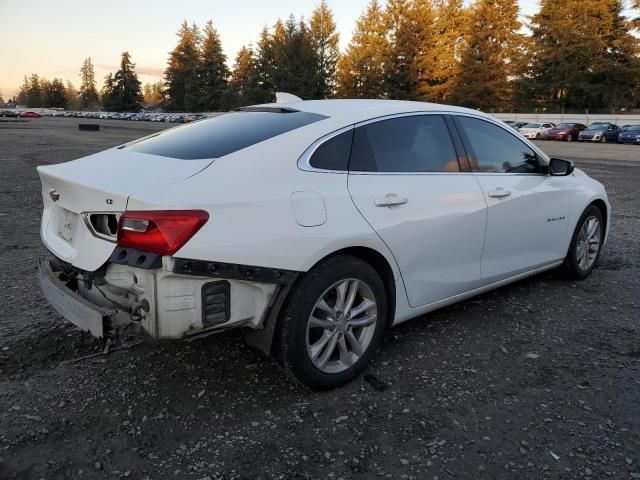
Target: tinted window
x=407 y=144
x=334 y=153
x=496 y=150
x=222 y=135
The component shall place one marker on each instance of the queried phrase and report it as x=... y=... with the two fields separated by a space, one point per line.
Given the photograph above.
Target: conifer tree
x=181 y=76
x=265 y=65
x=213 y=70
x=242 y=86
x=488 y=64
x=324 y=40
x=126 y=86
x=438 y=62
x=34 y=91
x=362 y=69
x=88 y=90
x=408 y=24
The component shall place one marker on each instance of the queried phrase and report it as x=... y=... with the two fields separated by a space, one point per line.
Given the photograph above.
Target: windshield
x=224 y=134
x=532 y=125
x=633 y=128
x=597 y=126
x=565 y=125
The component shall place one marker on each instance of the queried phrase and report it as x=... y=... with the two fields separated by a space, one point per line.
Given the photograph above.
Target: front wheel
x=569 y=138
x=586 y=244
x=603 y=139
x=333 y=322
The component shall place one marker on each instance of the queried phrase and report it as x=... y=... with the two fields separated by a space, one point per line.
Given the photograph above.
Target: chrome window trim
x=304 y=160
x=101 y=236
x=304 y=165
x=512 y=132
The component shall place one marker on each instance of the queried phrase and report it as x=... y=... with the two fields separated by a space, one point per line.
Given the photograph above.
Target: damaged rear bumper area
x=170 y=299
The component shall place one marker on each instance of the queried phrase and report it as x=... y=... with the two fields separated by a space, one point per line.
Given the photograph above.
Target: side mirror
x=560 y=168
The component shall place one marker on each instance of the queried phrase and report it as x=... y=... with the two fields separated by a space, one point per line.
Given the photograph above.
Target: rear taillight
x=159 y=231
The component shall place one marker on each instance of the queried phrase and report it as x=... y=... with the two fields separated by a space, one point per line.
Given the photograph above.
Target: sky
x=53 y=37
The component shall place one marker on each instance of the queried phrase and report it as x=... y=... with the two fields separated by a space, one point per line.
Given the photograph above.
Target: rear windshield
x=224 y=134
x=634 y=128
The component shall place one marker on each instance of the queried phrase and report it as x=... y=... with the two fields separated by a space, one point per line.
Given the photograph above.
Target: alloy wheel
x=341 y=325
x=588 y=244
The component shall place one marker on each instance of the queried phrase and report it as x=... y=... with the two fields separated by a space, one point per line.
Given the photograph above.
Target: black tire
x=570 y=138
x=295 y=317
x=571 y=264
x=603 y=139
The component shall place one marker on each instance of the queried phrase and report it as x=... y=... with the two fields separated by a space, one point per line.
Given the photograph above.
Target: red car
x=30 y=115
x=567 y=132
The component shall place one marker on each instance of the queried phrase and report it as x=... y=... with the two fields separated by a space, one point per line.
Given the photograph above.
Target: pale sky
x=53 y=37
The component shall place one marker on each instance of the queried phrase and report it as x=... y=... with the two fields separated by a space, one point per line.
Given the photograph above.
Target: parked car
x=515 y=125
x=567 y=132
x=630 y=134
x=8 y=113
x=319 y=223
x=535 y=130
x=30 y=115
x=600 y=132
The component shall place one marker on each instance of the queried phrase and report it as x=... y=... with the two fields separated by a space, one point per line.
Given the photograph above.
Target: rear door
x=406 y=180
x=528 y=210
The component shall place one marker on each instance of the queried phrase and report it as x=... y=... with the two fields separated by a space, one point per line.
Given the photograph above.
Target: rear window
x=227 y=133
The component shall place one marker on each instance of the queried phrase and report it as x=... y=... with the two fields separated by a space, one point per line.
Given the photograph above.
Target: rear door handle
x=390 y=200
x=499 y=193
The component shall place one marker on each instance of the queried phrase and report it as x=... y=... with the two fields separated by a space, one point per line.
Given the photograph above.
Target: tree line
x=577 y=54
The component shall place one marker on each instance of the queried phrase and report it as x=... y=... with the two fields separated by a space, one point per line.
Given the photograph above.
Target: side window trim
x=461 y=152
x=442 y=114
x=305 y=159
x=469 y=151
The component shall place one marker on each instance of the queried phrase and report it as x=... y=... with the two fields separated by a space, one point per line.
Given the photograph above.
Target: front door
x=405 y=179
x=528 y=210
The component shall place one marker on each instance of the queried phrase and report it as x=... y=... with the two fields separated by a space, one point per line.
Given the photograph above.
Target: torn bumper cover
x=163 y=303
x=79 y=311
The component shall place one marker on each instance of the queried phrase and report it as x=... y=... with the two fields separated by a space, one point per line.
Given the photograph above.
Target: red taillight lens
x=160 y=231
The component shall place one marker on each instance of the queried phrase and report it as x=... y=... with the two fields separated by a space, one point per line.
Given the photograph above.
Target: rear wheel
x=586 y=244
x=333 y=322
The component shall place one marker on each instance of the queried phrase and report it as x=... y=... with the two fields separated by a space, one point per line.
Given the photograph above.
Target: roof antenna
x=283 y=97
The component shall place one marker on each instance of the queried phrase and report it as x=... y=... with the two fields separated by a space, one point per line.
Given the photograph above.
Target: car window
x=532 y=125
x=334 y=153
x=418 y=143
x=224 y=134
x=493 y=149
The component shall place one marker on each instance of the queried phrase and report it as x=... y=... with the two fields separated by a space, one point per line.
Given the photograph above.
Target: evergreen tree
x=324 y=40
x=488 y=59
x=34 y=92
x=181 y=76
x=362 y=69
x=108 y=94
x=23 y=92
x=295 y=60
x=88 y=91
x=213 y=70
x=265 y=65
x=153 y=93
x=408 y=24
x=1 y=98
x=582 y=56
x=54 y=94
x=438 y=62
x=242 y=87
x=127 y=86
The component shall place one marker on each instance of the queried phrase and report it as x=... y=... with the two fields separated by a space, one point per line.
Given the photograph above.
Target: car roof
x=354 y=110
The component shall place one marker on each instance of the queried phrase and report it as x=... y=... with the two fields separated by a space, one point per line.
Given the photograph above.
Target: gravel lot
x=540 y=379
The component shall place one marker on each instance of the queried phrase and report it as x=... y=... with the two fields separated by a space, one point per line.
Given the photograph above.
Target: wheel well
x=380 y=265
x=600 y=205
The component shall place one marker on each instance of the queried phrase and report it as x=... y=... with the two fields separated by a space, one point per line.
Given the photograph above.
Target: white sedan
x=313 y=225
x=535 y=130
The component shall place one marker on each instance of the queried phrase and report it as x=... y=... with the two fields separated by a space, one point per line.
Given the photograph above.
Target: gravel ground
x=540 y=379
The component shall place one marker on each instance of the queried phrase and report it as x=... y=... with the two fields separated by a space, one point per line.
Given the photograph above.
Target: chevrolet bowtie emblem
x=55 y=196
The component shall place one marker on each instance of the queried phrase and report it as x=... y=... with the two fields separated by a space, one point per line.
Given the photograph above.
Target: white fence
x=617 y=118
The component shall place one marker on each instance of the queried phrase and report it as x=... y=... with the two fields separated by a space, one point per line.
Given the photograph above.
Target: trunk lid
x=80 y=194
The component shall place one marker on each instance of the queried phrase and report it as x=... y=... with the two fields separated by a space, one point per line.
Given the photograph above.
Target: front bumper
x=590 y=138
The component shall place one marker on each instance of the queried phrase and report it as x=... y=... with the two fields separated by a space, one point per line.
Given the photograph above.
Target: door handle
x=499 y=193
x=390 y=200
